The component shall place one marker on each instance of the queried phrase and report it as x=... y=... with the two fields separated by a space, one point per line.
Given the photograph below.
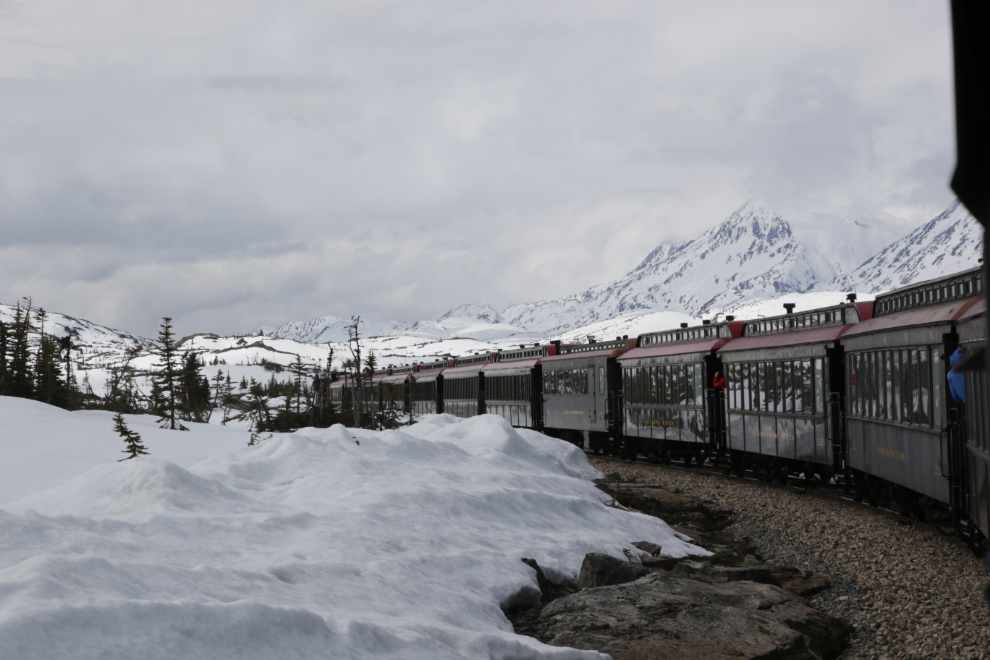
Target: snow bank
x=327 y=543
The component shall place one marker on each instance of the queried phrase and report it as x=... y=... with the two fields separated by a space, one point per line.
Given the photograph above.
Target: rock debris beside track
x=908 y=592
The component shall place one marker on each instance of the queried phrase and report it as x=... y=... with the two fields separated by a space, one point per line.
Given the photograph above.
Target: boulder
x=599 y=570
x=546 y=587
x=718 y=574
x=802 y=583
x=646 y=546
x=664 y=617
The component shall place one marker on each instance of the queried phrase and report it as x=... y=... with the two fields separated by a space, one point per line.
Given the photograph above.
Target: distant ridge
x=950 y=242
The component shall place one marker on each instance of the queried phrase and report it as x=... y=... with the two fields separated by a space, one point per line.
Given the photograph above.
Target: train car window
x=895 y=379
x=910 y=387
x=819 y=387
x=888 y=394
x=790 y=375
x=699 y=386
x=806 y=387
x=937 y=379
x=760 y=386
x=689 y=384
x=924 y=388
x=753 y=380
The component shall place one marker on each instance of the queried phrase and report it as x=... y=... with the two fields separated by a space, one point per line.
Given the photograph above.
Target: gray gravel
x=908 y=592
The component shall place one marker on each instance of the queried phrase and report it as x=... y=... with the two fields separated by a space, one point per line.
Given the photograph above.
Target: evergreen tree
x=132 y=440
x=49 y=386
x=195 y=389
x=227 y=398
x=4 y=376
x=21 y=382
x=168 y=377
x=298 y=370
x=217 y=390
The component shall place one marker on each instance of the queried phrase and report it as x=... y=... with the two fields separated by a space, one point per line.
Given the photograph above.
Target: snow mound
x=337 y=542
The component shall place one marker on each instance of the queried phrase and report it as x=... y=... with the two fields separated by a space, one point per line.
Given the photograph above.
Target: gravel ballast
x=909 y=593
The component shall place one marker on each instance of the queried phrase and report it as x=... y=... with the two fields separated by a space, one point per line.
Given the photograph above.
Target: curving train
x=856 y=392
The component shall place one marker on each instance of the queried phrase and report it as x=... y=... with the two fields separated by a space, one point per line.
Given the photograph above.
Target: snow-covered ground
x=333 y=543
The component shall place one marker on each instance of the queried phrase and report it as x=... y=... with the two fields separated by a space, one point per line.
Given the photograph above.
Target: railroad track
x=837 y=492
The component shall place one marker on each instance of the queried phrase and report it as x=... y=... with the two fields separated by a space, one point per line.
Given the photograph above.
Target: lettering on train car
x=890 y=453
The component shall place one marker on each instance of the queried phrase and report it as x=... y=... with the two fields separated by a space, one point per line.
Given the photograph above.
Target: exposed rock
x=646 y=546
x=802 y=583
x=663 y=616
x=600 y=570
x=545 y=585
x=718 y=574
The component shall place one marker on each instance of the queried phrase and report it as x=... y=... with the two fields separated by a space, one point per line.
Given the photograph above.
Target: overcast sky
x=237 y=164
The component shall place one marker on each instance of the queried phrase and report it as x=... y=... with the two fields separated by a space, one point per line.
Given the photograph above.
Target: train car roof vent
x=851 y=297
x=683 y=325
x=789 y=307
x=625 y=336
x=618 y=339
x=730 y=317
x=706 y=322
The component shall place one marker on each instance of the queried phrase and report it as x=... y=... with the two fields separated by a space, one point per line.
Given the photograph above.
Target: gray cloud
x=240 y=164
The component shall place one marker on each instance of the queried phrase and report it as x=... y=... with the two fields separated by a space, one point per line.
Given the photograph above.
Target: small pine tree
x=132 y=440
x=168 y=377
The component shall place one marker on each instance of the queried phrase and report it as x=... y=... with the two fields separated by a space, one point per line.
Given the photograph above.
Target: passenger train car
x=785 y=390
x=899 y=416
x=670 y=407
x=582 y=393
x=972 y=331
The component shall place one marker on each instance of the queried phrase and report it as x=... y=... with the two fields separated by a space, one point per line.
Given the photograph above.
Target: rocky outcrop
x=599 y=570
x=664 y=616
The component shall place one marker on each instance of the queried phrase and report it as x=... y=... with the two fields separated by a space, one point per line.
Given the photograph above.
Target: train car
x=785 y=389
x=513 y=386
x=395 y=387
x=426 y=388
x=464 y=386
x=670 y=406
x=338 y=390
x=582 y=386
x=972 y=330
x=899 y=415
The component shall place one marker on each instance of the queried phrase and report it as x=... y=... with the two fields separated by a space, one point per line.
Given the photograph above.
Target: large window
x=779 y=386
x=507 y=388
x=897 y=386
x=664 y=385
x=565 y=381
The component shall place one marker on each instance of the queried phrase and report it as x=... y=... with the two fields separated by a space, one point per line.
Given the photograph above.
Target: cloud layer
x=241 y=164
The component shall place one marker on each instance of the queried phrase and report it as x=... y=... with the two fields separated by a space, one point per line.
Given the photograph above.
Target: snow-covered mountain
x=330 y=328
x=93 y=345
x=950 y=242
x=753 y=254
x=480 y=322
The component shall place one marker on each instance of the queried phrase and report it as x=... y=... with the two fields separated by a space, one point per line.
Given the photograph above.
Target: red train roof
x=512 y=364
x=577 y=356
x=792 y=338
x=467 y=368
x=659 y=350
x=952 y=310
